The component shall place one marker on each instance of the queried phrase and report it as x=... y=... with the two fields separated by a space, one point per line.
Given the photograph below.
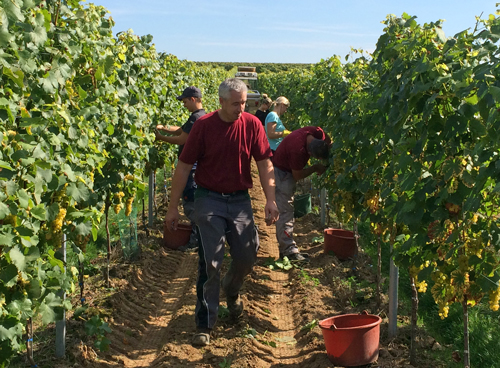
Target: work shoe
x=202 y=337
x=297 y=257
x=234 y=306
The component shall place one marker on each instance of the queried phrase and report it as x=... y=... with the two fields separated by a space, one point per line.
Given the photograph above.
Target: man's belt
x=225 y=195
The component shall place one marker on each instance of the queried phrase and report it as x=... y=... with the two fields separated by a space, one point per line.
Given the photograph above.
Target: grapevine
x=76 y=120
x=414 y=144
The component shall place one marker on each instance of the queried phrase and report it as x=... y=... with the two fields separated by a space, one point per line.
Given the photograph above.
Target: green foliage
x=226 y=363
x=307 y=279
x=259 y=67
x=98 y=329
x=309 y=326
x=223 y=312
x=282 y=264
x=415 y=148
x=77 y=111
x=250 y=333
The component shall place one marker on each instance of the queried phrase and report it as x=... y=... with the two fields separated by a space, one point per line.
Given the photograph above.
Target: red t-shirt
x=224 y=151
x=292 y=153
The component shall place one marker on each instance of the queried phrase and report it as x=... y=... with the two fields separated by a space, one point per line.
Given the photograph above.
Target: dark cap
x=190 y=92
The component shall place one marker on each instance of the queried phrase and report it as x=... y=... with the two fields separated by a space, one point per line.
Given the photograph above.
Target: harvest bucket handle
x=333 y=327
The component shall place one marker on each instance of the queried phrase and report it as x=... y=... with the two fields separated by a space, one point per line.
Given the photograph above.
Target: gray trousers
x=189 y=212
x=285 y=189
x=219 y=219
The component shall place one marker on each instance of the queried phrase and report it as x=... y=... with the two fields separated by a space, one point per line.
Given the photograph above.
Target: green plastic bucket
x=301 y=205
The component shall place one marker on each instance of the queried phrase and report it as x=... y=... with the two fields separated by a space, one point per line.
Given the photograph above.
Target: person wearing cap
x=191 y=98
x=290 y=160
x=275 y=129
x=223 y=144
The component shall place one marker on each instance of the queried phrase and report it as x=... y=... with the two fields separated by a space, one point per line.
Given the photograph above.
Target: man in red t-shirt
x=223 y=144
x=289 y=162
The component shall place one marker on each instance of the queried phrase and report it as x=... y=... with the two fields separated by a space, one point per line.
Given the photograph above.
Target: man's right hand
x=162 y=127
x=172 y=219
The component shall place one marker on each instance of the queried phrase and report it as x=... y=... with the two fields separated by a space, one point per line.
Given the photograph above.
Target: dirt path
x=153 y=319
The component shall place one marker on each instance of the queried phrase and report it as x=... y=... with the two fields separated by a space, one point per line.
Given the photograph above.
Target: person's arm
x=176 y=139
x=178 y=183
x=266 y=175
x=273 y=134
x=307 y=171
x=170 y=129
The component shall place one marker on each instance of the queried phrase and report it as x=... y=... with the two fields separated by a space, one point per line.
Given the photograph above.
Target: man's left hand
x=158 y=135
x=272 y=213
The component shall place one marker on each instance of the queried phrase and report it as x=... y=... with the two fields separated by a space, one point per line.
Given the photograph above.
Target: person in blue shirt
x=275 y=129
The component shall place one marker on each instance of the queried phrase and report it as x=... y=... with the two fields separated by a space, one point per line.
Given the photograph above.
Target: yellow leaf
x=64 y=115
x=442 y=66
x=25 y=113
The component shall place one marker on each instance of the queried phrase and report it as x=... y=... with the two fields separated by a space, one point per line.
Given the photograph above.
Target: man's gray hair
x=319 y=149
x=231 y=84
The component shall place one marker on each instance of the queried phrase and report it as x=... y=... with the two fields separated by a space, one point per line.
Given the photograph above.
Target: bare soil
x=150 y=309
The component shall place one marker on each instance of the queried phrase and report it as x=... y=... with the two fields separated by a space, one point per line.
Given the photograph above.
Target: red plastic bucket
x=351 y=339
x=341 y=242
x=177 y=238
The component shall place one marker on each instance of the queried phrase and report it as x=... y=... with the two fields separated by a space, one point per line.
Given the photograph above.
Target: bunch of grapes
x=414 y=271
x=117 y=202
x=422 y=286
x=58 y=221
x=463 y=263
x=128 y=205
x=494 y=299
x=55 y=234
x=373 y=201
x=443 y=292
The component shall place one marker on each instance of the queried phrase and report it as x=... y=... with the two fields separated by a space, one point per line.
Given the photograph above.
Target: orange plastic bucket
x=351 y=339
x=341 y=242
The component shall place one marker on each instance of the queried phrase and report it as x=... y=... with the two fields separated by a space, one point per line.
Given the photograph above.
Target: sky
x=278 y=31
